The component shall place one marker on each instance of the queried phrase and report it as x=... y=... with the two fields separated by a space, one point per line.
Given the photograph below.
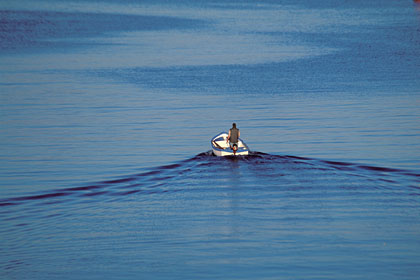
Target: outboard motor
x=234 y=148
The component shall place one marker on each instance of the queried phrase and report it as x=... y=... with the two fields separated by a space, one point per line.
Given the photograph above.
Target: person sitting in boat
x=233 y=137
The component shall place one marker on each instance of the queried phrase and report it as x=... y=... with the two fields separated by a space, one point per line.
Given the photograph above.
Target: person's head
x=235 y=147
x=234 y=125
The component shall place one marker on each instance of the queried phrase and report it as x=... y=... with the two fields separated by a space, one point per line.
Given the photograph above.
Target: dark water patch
x=415 y=186
x=379 y=169
x=375 y=53
x=86 y=188
x=150 y=173
x=14 y=263
x=2 y=204
x=387 y=180
x=170 y=166
x=22 y=225
x=338 y=163
x=41 y=29
x=40 y=197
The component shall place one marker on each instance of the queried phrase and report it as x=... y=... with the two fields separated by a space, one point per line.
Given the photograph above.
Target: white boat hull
x=221 y=148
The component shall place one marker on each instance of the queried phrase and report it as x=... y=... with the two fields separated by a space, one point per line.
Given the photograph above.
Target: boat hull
x=221 y=148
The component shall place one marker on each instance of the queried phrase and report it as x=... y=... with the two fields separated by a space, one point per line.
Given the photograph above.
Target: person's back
x=234 y=135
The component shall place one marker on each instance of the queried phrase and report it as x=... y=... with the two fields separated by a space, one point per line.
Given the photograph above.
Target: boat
x=221 y=148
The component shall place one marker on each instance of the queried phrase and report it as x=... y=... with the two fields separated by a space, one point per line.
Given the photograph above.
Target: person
x=233 y=137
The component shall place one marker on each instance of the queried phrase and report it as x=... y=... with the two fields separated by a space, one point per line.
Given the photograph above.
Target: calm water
x=107 y=109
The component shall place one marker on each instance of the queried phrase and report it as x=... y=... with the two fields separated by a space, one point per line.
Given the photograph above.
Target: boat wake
x=267 y=207
x=207 y=166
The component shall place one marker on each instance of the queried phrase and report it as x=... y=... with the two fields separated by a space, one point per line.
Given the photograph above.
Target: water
x=107 y=109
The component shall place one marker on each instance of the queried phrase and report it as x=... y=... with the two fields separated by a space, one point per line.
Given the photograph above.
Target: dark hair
x=234 y=125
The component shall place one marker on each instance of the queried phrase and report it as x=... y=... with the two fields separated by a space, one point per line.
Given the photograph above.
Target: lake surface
x=107 y=109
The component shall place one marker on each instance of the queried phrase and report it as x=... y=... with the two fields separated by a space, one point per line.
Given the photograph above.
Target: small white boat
x=221 y=148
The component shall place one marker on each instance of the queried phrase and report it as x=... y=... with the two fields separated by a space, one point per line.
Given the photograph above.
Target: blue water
x=108 y=107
